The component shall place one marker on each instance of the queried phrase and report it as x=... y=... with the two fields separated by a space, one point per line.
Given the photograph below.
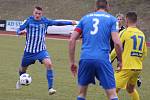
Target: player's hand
x=22 y=32
x=119 y=66
x=18 y=32
x=74 y=69
x=74 y=22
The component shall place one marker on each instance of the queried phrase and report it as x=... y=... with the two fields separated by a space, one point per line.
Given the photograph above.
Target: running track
x=54 y=36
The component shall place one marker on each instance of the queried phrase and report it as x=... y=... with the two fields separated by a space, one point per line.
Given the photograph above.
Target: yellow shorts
x=126 y=76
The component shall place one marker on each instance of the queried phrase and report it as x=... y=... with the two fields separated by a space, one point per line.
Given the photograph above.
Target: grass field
x=11 y=49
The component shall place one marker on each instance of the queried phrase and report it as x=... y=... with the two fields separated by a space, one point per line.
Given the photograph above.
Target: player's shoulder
x=122 y=32
x=109 y=15
x=134 y=29
x=140 y=31
x=46 y=20
x=99 y=13
x=30 y=18
x=43 y=18
x=113 y=17
x=129 y=30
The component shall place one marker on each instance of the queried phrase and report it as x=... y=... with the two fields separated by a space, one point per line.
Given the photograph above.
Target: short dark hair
x=39 y=8
x=132 y=16
x=101 y=4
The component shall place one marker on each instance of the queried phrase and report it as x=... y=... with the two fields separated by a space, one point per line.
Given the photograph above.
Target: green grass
x=11 y=49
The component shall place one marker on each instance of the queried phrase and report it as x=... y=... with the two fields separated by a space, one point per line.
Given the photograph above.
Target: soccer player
x=96 y=29
x=35 y=48
x=134 y=52
x=120 y=18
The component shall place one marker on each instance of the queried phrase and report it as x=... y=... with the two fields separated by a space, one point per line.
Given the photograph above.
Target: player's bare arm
x=72 y=44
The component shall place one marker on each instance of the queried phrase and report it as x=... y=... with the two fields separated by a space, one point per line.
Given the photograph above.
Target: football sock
x=135 y=95
x=50 y=78
x=80 y=98
x=116 y=98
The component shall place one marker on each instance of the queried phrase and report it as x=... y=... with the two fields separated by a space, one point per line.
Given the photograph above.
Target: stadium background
x=74 y=9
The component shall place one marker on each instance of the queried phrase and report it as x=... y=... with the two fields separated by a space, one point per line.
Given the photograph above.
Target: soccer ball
x=25 y=79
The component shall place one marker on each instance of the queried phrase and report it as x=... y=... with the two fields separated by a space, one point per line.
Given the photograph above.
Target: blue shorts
x=30 y=58
x=89 y=69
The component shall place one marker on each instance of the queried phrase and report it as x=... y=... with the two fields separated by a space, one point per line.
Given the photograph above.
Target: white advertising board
x=12 y=25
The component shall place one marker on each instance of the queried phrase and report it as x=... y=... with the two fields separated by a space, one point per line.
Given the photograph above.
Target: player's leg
x=21 y=71
x=121 y=79
x=131 y=85
x=132 y=92
x=111 y=94
x=45 y=59
x=82 y=92
x=49 y=74
x=86 y=75
x=105 y=74
x=117 y=90
x=26 y=61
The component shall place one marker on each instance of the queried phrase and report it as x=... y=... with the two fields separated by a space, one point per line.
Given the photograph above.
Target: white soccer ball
x=25 y=79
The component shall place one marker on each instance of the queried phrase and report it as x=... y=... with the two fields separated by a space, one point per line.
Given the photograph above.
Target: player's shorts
x=30 y=58
x=126 y=76
x=89 y=69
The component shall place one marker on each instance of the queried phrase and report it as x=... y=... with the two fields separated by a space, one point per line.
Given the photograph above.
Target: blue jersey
x=96 y=31
x=36 y=30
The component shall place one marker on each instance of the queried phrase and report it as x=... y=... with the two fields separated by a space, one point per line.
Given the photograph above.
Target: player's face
x=120 y=19
x=37 y=14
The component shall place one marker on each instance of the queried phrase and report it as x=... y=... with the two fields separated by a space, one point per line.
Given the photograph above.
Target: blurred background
x=74 y=9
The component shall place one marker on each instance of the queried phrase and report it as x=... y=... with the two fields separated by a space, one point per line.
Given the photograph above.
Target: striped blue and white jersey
x=36 y=30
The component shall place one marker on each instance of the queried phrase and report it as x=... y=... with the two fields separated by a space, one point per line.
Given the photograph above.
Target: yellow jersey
x=134 y=48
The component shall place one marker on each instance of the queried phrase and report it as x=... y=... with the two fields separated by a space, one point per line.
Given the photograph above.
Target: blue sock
x=50 y=78
x=80 y=98
x=116 y=98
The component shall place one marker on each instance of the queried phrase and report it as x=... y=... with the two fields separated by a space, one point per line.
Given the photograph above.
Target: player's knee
x=47 y=63
x=49 y=66
x=130 y=89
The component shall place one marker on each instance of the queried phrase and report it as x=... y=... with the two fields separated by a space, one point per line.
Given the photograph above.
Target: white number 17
x=95 y=26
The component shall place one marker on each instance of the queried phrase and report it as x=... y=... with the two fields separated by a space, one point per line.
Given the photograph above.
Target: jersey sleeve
x=144 y=51
x=79 y=27
x=23 y=26
x=115 y=25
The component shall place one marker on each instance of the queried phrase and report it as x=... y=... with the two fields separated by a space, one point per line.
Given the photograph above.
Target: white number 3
x=95 y=26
